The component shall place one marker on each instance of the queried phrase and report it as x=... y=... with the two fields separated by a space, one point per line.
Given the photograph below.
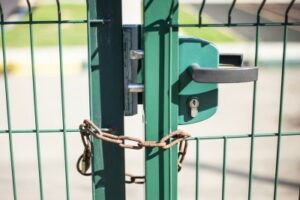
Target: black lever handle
x=223 y=75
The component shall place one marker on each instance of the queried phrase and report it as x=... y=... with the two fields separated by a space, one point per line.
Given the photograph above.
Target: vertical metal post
x=161 y=89
x=106 y=95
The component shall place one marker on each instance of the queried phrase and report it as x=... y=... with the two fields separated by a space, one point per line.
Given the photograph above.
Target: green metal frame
x=161 y=95
x=106 y=96
x=156 y=17
x=106 y=105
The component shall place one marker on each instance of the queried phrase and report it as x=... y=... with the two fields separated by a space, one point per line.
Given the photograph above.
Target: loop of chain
x=84 y=161
x=181 y=153
x=135 y=179
x=89 y=128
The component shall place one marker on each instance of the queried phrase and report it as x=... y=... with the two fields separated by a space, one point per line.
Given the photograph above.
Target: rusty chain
x=84 y=160
x=134 y=179
x=88 y=128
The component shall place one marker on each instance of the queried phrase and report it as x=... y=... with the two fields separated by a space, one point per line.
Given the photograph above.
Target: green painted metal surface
x=204 y=53
x=160 y=97
x=106 y=96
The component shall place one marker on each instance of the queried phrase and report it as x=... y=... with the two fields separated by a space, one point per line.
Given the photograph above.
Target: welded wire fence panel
x=242 y=180
x=50 y=101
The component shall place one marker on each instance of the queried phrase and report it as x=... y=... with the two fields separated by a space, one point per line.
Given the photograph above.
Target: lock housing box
x=205 y=54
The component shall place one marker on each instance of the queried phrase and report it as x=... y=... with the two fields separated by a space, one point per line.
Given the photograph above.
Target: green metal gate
x=162 y=78
x=161 y=52
x=100 y=15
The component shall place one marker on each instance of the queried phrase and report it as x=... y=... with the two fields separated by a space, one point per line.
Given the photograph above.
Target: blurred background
x=233 y=116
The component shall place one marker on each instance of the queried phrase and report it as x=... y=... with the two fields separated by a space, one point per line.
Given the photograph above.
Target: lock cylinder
x=194 y=103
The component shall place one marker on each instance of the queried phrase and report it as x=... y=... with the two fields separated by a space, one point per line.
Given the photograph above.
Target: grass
x=75 y=34
x=47 y=34
x=210 y=34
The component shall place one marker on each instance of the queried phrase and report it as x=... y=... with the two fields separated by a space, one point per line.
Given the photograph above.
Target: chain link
x=88 y=128
x=181 y=153
x=84 y=161
x=135 y=179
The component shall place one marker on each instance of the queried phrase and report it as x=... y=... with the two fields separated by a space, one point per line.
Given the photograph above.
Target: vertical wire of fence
x=282 y=84
x=35 y=100
x=7 y=99
x=253 y=118
x=197 y=167
x=62 y=90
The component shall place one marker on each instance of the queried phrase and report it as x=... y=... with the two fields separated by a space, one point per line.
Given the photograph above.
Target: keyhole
x=194 y=102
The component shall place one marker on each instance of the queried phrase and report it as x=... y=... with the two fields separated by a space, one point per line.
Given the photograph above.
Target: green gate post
x=106 y=95
x=161 y=90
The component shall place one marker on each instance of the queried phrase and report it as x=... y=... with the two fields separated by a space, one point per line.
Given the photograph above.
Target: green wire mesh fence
x=37 y=130
x=253 y=134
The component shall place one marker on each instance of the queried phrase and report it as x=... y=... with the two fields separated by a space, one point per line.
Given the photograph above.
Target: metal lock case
x=199 y=74
x=205 y=54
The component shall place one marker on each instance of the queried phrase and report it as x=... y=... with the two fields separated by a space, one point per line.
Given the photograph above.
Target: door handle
x=222 y=75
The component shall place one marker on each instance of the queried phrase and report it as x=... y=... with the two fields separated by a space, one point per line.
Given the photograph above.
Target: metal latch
x=132 y=59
